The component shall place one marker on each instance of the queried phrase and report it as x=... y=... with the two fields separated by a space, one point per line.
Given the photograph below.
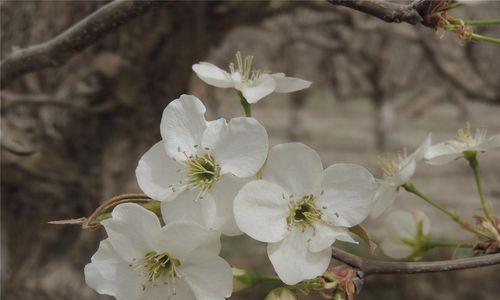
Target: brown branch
x=391 y=12
x=369 y=266
x=60 y=49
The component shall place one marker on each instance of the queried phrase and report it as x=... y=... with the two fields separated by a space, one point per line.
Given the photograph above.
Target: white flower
x=299 y=209
x=253 y=84
x=199 y=166
x=404 y=230
x=142 y=260
x=397 y=172
x=448 y=151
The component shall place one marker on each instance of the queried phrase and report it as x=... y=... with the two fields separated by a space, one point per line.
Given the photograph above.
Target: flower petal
x=264 y=86
x=401 y=225
x=295 y=167
x=292 y=260
x=395 y=248
x=384 y=197
x=183 y=238
x=347 y=194
x=132 y=230
x=409 y=165
x=239 y=147
x=186 y=208
x=182 y=125
x=224 y=193
x=324 y=235
x=491 y=143
x=157 y=173
x=171 y=290
x=210 y=277
x=443 y=153
x=261 y=209
x=108 y=274
x=213 y=75
x=289 y=84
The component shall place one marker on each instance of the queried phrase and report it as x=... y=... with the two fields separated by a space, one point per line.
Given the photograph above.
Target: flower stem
x=247 y=107
x=469 y=35
x=409 y=187
x=484 y=38
x=471 y=156
x=486 y=22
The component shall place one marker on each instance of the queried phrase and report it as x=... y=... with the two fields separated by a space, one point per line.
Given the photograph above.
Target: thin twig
x=60 y=49
x=369 y=266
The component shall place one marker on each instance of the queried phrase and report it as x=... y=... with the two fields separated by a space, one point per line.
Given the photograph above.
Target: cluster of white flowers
x=218 y=177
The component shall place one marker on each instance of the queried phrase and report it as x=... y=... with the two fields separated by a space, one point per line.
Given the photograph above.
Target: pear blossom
x=300 y=210
x=252 y=84
x=448 y=151
x=405 y=233
x=198 y=167
x=142 y=260
x=396 y=172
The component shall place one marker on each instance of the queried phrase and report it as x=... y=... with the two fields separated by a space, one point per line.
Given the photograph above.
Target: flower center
x=244 y=67
x=160 y=265
x=390 y=164
x=203 y=172
x=465 y=136
x=303 y=212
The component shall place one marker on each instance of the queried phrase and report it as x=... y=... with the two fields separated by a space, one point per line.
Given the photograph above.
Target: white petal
x=224 y=193
x=264 y=86
x=261 y=209
x=408 y=166
x=491 y=143
x=325 y=235
x=289 y=84
x=348 y=191
x=186 y=208
x=240 y=147
x=110 y=275
x=213 y=75
x=157 y=173
x=295 y=167
x=165 y=290
x=444 y=153
x=182 y=125
x=401 y=225
x=132 y=230
x=183 y=238
x=395 y=249
x=421 y=151
x=210 y=277
x=384 y=197
x=292 y=260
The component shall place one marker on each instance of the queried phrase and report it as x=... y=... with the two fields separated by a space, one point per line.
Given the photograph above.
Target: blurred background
x=71 y=137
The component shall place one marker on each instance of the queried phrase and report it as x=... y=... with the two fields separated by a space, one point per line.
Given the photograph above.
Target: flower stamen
x=303 y=212
x=244 y=68
x=203 y=173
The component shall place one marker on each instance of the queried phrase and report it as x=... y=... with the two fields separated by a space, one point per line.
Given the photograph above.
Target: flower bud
x=281 y=294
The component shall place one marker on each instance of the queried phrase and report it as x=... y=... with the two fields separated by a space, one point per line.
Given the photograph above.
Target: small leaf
x=361 y=232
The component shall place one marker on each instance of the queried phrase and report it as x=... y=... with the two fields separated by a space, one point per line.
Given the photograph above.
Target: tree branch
x=369 y=266
x=60 y=49
x=390 y=12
